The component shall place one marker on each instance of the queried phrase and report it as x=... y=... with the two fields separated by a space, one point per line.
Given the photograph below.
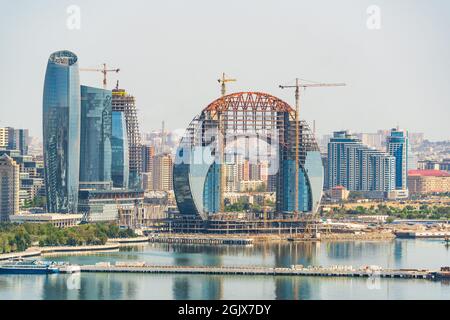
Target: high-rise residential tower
x=21 y=140
x=397 y=146
x=61 y=132
x=125 y=103
x=3 y=138
x=162 y=172
x=95 y=137
x=357 y=167
x=9 y=187
x=148 y=153
x=14 y=139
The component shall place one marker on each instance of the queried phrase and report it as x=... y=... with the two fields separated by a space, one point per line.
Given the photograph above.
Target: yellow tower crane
x=297 y=87
x=223 y=92
x=104 y=71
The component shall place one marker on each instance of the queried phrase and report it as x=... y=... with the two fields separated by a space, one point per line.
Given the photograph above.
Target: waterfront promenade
x=58 y=250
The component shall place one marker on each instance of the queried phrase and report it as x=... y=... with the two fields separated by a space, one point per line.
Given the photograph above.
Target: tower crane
x=223 y=81
x=298 y=85
x=104 y=70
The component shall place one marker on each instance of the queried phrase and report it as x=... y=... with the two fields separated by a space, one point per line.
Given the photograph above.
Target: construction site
x=244 y=131
x=252 y=129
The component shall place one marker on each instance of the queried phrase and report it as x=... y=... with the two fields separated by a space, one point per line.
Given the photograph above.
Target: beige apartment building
x=162 y=172
x=9 y=187
x=428 y=181
x=3 y=138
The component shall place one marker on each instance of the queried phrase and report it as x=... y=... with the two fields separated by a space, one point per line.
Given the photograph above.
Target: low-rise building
x=434 y=165
x=56 y=219
x=120 y=205
x=155 y=207
x=339 y=193
x=251 y=185
x=428 y=181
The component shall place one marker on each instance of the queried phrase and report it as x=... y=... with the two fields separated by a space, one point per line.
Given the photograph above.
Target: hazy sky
x=172 y=52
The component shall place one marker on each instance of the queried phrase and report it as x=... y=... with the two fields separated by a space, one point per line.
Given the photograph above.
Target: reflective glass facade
x=397 y=146
x=304 y=190
x=119 y=151
x=61 y=132
x=211 y=195
x=96 y=131
x=196 y=181
x=197 y=171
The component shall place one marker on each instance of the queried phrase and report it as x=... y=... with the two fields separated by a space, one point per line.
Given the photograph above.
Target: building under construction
x=124 y=102
x=245 y=123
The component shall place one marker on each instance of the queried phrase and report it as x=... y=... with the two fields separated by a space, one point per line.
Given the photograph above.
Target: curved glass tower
x=61 y=132
x=95 y=150
x=197 y=168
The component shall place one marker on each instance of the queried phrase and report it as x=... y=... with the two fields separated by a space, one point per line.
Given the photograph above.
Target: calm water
x=395 y=254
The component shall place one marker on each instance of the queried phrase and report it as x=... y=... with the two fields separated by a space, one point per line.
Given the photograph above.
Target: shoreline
x=115 y=244
x=55 y=251
x=262 y=238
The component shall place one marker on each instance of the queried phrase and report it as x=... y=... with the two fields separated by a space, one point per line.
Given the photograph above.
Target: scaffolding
x=247 y=115
x=123 y=102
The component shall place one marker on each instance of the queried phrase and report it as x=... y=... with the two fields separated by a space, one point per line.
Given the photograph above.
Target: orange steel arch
x=249 y=101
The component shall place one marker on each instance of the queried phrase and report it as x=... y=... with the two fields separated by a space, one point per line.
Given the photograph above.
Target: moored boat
x=28 y=267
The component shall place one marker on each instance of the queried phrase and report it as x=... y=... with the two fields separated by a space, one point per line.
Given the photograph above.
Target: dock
x=423 y=234
x=262 y=271
x=128 y=240
x=200 y=240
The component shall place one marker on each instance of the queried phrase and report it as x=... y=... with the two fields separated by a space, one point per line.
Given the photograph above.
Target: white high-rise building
x=357 y=167
x=397 y=146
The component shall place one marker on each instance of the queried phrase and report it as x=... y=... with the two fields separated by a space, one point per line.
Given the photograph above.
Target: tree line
x=407 y=212
x=19 y=237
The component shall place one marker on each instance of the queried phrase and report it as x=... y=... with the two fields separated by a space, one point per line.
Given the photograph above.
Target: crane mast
x=298 y=85
x=223 y=91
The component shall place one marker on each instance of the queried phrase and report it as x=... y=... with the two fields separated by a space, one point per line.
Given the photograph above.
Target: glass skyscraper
x=119 y=150
x=61 y=132
x=96 y=131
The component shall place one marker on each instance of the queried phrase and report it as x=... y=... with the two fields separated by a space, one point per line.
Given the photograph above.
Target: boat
x=444 y=273
x=28 y=267
x=69 y=268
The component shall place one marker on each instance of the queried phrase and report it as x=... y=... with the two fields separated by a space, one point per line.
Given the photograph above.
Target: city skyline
x=147 y=149
x=375 y=96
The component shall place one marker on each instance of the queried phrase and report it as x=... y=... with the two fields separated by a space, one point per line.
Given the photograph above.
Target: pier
x=336 y=271
x=423 y=234
x=200 y=240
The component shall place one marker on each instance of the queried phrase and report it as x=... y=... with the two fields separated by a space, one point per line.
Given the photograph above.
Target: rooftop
x=428 y=173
